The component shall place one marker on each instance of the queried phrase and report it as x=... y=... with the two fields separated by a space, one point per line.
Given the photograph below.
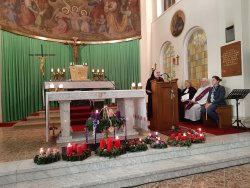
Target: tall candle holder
x=58 y=75
x=97 y=75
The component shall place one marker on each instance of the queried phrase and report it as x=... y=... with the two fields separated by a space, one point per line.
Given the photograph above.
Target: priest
x=192 y=109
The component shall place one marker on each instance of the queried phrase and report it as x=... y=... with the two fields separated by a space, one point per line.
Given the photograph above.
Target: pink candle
x=110 y=144
x=74 y=147
x=117 y=142
x=102 y=143
x=69 y=149
x=84 y=147
x=79 y=150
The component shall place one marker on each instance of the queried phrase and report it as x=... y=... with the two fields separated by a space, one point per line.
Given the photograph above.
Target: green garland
x=103 y=152
x=136 y=147
x=158 y=145
x=51 y=158
x=76 y=157
x=180 y=142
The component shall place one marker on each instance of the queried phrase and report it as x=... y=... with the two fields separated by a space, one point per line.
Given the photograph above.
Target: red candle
x=117 y=142
x=79 y=150
x=74 y=147
x=69 y=149
x=84 y=147
x=110 y=144
x=102 y=143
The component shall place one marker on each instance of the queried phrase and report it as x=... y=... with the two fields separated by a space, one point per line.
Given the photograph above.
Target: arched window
x=168 y=55
x=197 y=57
x=168 y=3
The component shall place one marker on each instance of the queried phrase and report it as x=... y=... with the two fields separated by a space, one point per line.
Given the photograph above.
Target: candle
x=58 y=70
x=79 y=150
x=140 y=139
x=70 y=64
x=102 y=70
x=110 y=144
x=74 y=147
x=133 y=84
x=156 y=133
x=69 y=149
x=96 y=114
x=102 y=143
x=41 y=151
x=93 y=70
x=51 y=86
x=84 y=147
x=86 y=64
x=52 y=70
x=199 y=129
x=98 y=70
x=117 y=142
x=63 y=70
x=60 y=86
x=139 y=86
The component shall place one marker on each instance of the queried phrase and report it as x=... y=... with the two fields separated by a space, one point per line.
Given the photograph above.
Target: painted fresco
x=88 y=20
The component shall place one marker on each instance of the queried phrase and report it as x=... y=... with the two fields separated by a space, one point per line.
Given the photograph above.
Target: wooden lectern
x=165 y=105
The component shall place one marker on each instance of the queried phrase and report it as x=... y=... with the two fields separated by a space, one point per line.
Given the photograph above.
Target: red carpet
x=184 y=126
x=7 y=124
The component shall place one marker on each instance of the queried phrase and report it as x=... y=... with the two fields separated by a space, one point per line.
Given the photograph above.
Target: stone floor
x=24 y=142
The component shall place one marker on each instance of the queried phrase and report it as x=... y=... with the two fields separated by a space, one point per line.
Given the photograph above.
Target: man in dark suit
x=215 y=98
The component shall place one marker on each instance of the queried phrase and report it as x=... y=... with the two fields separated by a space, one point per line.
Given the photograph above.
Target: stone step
x=141 y=167
x=38 y=122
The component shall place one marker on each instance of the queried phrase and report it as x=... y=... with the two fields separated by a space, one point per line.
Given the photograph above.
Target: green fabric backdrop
x=22 y=80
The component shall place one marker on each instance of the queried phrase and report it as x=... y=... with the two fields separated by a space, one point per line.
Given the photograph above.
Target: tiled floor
x=24 y=143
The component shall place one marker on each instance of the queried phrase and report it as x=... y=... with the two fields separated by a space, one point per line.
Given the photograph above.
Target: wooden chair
x=225 y=117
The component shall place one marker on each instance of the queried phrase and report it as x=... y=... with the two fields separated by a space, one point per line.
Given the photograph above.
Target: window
x=168 y=66
x=168 y=3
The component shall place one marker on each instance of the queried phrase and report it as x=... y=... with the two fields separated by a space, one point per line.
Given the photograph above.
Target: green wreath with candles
x=76 y=157
x=136 y=145
x=47 y=156
x=103 y=152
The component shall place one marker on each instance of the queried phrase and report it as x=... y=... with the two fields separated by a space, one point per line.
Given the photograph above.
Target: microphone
x=165 y=74
x=106 y=77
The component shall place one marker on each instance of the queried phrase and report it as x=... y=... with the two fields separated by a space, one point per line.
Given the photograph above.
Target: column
x=65 y=121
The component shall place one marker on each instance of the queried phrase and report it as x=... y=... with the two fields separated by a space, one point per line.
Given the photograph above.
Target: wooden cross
x=75 y=45
x=42 y=59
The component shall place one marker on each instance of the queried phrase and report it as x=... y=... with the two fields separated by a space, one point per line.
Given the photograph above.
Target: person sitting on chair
x=154 y=76
x=215 y=98
x=192 y=109
x=186 y=94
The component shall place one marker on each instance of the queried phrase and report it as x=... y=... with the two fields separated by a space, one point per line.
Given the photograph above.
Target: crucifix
x=42 y=59
x=75 y=45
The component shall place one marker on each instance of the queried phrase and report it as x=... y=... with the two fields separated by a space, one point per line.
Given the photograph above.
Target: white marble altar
x=131 y=103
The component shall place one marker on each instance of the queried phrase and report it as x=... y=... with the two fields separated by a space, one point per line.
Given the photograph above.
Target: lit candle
x=86 y=64
x=199 y=129
x=63 y=70
x=51 y=86
x=117 y=142
x=41 y=151
x=58 y=70
x=110 y=144
x=98 y=70
x=156 y=133
x=70 y=64
x=60 y=86
x=52 y=70
x=93 y=70
x=102 y=70
x=139 y=86
x=96 y=114
x=102 y=143
x=133 y=85
x=69 y=149
x=84 y=147
x=140 y=139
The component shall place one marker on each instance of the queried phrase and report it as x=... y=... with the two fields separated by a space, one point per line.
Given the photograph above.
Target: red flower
x=172 y=136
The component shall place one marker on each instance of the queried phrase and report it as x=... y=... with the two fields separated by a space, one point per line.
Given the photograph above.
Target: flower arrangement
x=180 y=139
x=76 y=152
x=149 y=139
x=158 y=144
x=47 y=156
x=136 y=145
x=105 y=121
x=197 y=136
x=106 y=149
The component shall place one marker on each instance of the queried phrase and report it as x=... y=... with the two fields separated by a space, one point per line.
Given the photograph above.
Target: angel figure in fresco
x=110 y=8
x=61 y=19
x=85 y=27
x=26 y=13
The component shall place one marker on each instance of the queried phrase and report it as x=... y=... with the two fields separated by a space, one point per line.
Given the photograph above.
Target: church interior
x=125 y=93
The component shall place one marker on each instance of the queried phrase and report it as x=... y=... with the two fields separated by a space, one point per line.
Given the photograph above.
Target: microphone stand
x=172 y=100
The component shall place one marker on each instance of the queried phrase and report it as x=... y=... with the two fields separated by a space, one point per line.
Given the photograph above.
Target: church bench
x=225 y=117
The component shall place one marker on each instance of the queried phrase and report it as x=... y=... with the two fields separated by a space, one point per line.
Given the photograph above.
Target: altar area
x=131 y=104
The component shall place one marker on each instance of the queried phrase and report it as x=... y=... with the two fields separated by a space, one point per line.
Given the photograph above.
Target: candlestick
x=84 y=147
x=139 y=85
x=110 y=144
x=60 y=86
x=117 y=142
x=133 y=85
x=98 y=70
x=51 y=86
x=58 y=70
x=69 y=149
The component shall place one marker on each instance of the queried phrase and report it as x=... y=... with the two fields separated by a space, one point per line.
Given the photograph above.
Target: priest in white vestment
x=192 y=109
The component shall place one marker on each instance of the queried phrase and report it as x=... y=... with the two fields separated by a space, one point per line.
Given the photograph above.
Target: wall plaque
x=231 y=59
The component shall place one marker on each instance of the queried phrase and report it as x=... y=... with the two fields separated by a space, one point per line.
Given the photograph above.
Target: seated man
x=216 y=97
x=192 y=109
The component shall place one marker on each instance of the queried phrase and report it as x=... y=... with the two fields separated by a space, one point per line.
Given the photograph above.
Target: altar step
x=131 y=169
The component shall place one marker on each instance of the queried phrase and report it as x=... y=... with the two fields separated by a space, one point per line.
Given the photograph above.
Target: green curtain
x=22 y=81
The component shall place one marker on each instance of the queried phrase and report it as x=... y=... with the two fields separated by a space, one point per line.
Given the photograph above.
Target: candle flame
x=117 y=137
x=69 y=144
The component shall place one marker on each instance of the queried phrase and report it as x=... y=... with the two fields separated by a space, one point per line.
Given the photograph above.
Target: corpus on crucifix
x=42 y=59
x=75 y=45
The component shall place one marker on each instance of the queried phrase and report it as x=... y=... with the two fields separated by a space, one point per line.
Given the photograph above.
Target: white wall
x=213 y=17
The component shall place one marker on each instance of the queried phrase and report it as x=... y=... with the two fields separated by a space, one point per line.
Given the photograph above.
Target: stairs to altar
x=131 y=169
